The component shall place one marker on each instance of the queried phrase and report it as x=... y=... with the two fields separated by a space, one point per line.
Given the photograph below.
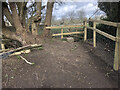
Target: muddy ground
x=59 y=65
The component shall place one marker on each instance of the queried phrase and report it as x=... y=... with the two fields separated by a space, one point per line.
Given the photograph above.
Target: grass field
x=54 y=31
x=65 y=30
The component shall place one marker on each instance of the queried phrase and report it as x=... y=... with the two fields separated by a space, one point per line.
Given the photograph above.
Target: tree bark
x=7 y=13
x=39 y=7
x=23 y=13
x=9 y=34
x=21 y=33
x=34 y=29
x=37 y=19
x=48 y=18
x=16 y=20
x=3 y=22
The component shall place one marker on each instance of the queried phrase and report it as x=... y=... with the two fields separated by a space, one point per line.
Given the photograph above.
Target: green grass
x=55 y=31
x=6 y=75
x=65 y=30
x=18 y=57
x=40 y=32
x=58 y=30
x=40 y=48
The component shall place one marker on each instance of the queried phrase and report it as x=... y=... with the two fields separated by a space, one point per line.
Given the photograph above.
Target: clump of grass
x=37 y=48
x=6 y=75
x=76 y=46
x=26 y=54
x=40 y=48
x=32 y=63
x=64 y=39
x=18 y=57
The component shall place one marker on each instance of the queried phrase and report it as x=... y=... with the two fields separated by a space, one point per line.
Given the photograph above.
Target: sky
x=88 y=7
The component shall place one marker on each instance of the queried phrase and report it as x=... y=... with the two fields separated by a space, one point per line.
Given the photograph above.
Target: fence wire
x=68 y=30
x=105 y=48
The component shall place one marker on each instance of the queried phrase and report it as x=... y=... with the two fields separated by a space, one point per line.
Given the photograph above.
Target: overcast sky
x=88 y=7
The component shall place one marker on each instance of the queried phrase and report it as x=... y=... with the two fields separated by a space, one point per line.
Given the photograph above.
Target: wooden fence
x=95 y=30
x=116 y=39
x=69 y=33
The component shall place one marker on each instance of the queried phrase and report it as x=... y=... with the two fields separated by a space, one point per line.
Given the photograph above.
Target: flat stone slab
x=70 y=39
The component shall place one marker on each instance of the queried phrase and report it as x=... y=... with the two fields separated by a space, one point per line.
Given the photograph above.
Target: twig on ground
x=21 y=52
x=5 y=50
x=26 y=60
x=6 y=54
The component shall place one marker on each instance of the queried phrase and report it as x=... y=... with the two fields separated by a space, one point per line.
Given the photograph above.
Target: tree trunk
x=34 y=29
x=30 y=39
x=48 y=18
x=37 y=19
x=21 y=33
x=39 y=7
x=3 y=22
x=7 y=13
x=16 y=20
x=9 y=34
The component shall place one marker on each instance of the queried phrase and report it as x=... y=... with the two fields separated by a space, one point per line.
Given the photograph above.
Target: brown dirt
x=59 y=65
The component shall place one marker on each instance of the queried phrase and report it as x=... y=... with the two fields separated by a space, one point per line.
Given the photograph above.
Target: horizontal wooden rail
x=103 y=33
x=55 y=27
x=68 y=33
x=114 y=38
x=104 y=22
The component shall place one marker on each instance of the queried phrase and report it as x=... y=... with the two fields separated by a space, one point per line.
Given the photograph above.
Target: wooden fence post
x=117 y=50
x=2 y=46
x=75 y=30
x=85 y=30
x=62 y=33
x=94 y=34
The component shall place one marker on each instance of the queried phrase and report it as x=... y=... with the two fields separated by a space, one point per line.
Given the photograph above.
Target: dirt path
x=59 y=65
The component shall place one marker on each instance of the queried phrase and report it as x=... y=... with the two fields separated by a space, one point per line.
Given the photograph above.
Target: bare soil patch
x=59 y=65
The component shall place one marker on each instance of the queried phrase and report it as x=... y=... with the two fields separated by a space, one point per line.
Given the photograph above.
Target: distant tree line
x=112 y=10
x=69 y=18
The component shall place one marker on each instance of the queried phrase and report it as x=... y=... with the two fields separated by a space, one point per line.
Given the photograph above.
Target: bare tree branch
x=7 y=13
